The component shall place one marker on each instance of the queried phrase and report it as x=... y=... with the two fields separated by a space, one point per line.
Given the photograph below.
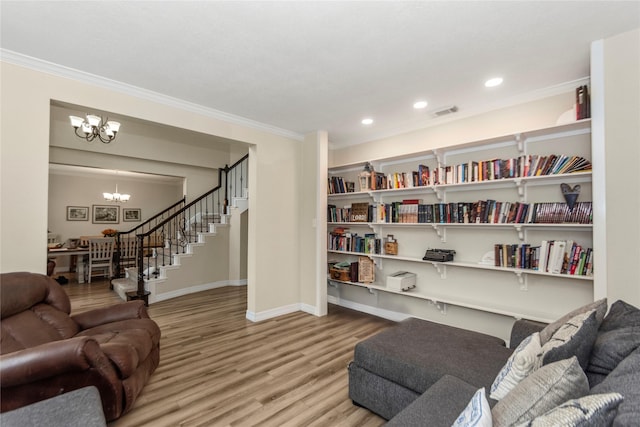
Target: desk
x=54 y=253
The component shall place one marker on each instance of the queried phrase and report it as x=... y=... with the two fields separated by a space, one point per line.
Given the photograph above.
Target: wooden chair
x=100 y=256
x=128 y=252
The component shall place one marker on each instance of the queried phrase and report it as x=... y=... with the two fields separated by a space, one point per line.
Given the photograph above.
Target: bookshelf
x=473 y=280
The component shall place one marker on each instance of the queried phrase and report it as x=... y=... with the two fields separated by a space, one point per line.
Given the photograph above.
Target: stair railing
x=172 y=235
x=140 y=229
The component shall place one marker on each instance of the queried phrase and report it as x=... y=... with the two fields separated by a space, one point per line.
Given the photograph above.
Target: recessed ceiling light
x=367 y=121
x=420 y=104
x=496 y=81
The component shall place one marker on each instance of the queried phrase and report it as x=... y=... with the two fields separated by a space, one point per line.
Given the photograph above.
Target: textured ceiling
x=304 y=66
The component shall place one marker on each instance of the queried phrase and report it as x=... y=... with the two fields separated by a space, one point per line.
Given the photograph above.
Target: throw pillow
x=620 y=315
x=595 y=410
x=574 y=338
x=624 y=379
x=541 y=391
x=600 y=306
x=618 y=337
x=477 y=413
x=520 y=364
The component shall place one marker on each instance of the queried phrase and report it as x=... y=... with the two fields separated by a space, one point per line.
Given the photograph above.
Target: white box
x=401 y=281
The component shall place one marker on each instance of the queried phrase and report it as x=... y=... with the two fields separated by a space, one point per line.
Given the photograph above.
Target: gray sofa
x=422 y=373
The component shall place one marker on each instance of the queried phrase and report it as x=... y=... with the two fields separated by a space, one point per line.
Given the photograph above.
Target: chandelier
x=94 y=127
x=116 y=197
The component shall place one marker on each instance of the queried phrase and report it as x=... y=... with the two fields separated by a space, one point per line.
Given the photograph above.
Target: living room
x=288 y=204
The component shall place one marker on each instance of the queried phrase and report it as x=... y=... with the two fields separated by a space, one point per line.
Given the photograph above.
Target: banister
x=174 y=233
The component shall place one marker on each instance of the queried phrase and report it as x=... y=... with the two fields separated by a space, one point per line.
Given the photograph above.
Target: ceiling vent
x=444 y=111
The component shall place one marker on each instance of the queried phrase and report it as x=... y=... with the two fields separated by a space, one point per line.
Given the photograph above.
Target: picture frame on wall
x=105 y=214
x=77 y=213
x=131 y=214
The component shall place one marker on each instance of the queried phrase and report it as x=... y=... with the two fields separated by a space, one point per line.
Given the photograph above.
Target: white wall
x=313 y=226
x=72 y=189
x=618 y=70
x=25 y=103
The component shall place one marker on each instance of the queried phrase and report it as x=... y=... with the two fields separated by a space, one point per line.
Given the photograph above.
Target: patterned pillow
x=574 y=338
x=600 y=306
x=541 y=391
x=477 y=413
x=593 y=410
x=520 y=364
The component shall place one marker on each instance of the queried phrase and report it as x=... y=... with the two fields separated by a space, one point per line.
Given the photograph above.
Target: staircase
x=187 y=249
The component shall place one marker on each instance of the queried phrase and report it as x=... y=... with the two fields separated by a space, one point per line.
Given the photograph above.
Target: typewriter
x=440 y=255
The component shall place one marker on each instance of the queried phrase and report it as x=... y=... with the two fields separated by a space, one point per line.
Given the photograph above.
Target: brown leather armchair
x=45 y=352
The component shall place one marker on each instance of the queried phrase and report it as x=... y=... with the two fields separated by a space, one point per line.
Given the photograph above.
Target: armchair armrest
x=52 y=359
x=100 y=316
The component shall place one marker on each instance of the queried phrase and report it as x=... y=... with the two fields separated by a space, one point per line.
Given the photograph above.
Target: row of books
x=340 y=239
x=337 y=185
x=473 y=171
x=552 y=256
x=495 y=169
x=480 y=212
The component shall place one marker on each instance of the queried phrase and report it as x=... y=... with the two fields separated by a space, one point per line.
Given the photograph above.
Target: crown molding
x=58 y=70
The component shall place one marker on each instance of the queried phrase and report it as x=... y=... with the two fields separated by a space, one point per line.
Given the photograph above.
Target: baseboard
x=274 y=312
x=198 y=288
x=380 y=312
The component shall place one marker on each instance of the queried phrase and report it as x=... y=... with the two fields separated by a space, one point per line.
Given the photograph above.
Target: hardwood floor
x=219 y=369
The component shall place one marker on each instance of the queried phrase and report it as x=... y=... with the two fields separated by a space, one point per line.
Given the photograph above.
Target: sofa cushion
x=600 y=306
x=594 y=410
x=520 y=364
x=477 y=413
x=417 y=353
x=618 y=337
x=624 y=379
x=541 y=391
x=574 y=338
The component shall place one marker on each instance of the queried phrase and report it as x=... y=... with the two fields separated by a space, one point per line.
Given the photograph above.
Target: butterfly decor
x=570 y=194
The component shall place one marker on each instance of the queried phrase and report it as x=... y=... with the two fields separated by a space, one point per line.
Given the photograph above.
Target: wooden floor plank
x=219 y=369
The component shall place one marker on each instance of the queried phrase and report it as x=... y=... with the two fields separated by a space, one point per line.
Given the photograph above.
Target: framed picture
x=77 y=213
x=105 y=214
x=131 y=214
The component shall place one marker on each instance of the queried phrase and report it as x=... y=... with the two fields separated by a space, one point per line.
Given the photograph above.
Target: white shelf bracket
x=441 y=269
x=333 y=284
x=520 y=186
x=520 y=232
x=441 y=232
x=520 y=142
x=372 y=291
x=438 y=192
x=438 y=155
x=442 y=307
x=376 y=261
x=522 y=279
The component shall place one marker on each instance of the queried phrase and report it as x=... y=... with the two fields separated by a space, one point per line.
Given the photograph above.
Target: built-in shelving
x=474 y=240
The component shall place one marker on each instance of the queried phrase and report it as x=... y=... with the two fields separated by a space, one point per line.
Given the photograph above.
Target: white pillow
x=477 y=413
x=520 y=364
